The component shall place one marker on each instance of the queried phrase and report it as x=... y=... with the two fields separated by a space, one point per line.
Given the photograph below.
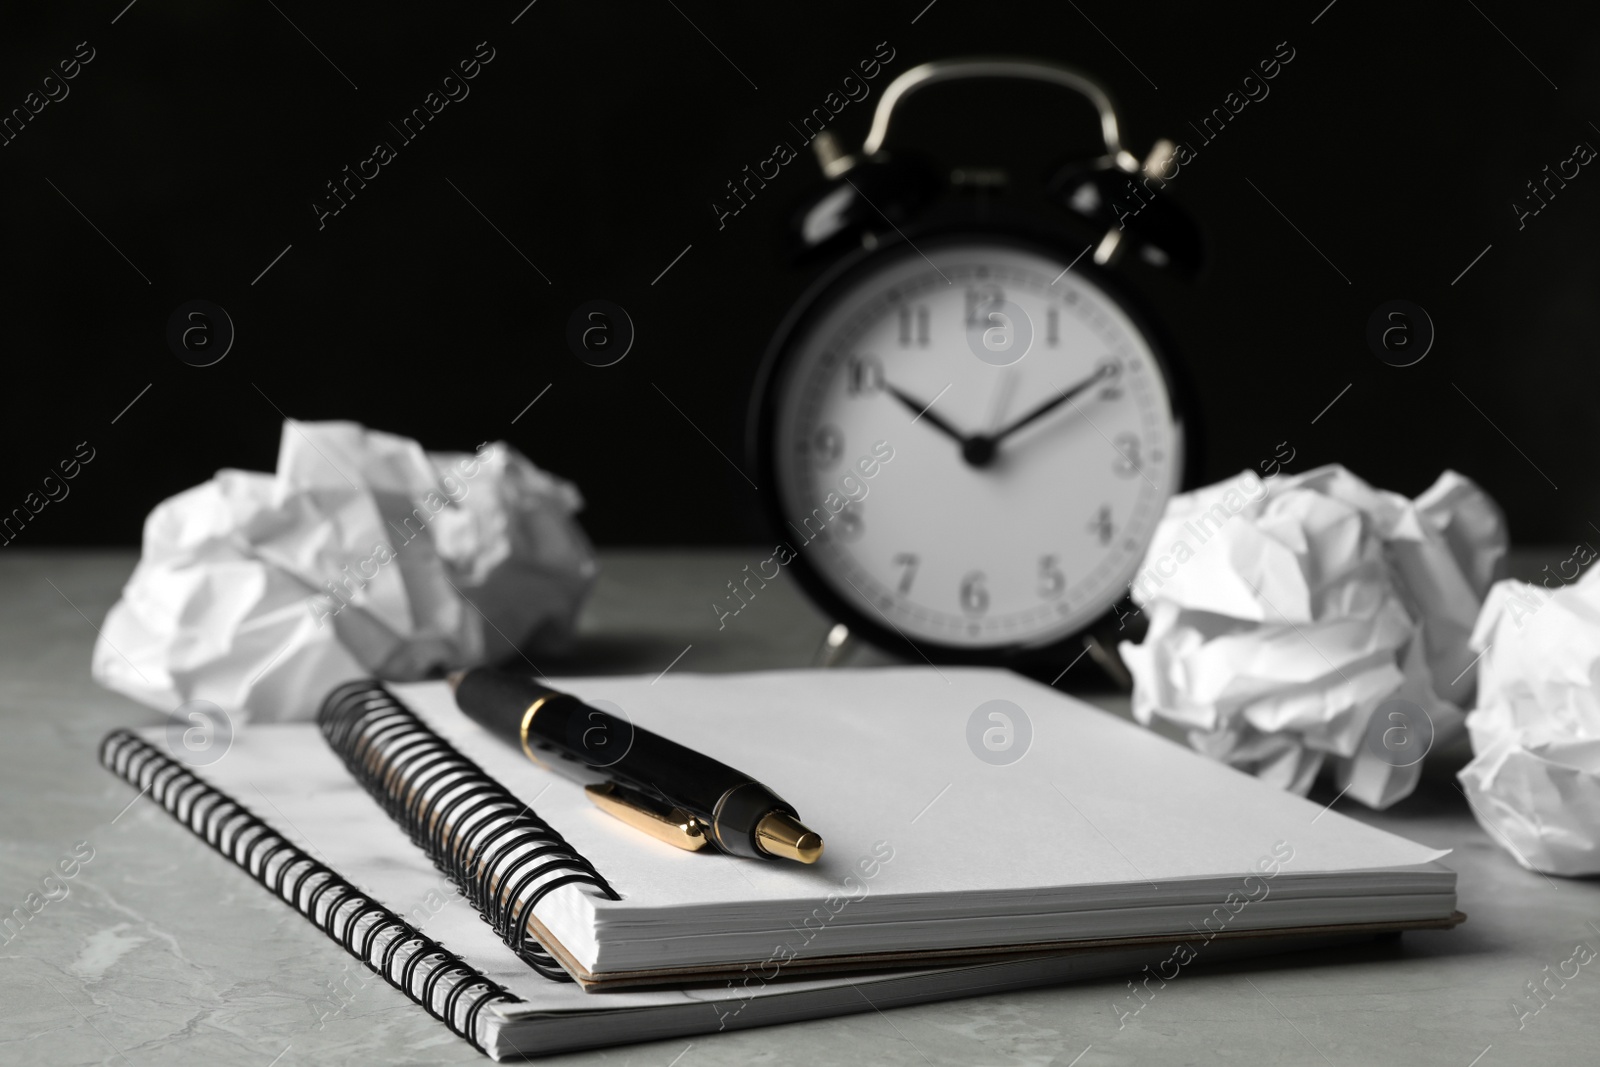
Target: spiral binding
x=501 y=855
x=416 y=965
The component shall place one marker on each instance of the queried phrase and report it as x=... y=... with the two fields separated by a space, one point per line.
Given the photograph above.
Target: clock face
x=972 y=445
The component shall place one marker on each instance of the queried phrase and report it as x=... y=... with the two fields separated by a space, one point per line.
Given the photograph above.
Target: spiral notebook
x=508 y=841
x=933 y=853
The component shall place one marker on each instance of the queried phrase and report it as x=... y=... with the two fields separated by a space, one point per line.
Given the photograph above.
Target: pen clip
x=660 y=820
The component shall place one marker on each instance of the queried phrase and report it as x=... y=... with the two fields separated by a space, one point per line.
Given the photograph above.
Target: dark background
x=199 y=136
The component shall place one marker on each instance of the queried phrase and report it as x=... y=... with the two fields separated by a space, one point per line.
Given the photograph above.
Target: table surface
x=163 y=953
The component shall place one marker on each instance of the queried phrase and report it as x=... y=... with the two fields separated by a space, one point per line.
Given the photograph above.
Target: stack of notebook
x=492 y=892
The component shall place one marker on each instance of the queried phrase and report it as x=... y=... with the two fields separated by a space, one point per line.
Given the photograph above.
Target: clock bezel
x=820 y=297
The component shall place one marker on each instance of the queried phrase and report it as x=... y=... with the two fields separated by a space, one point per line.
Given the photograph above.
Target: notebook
x=945 y=875
x=1100 y=830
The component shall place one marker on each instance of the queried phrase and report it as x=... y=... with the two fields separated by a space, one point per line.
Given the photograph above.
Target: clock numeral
x=850 y=522
x=1051 y=581
x=865 y=376
x=1112 y=389
x=827 y=445
x=980 y=298
x=1101 y=525
x=909 y=561
x=920 y=315
x=1128 y=462
x=1052 y=327
x=974 y=594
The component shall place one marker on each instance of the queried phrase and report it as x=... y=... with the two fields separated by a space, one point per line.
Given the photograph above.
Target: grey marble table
x=161 y=952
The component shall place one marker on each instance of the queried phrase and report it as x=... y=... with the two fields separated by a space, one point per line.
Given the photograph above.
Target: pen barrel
x=725 y=800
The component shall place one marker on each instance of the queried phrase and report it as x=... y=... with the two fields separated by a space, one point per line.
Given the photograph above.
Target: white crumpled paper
x=1534 y=781
x=1309 y=620
x=362 y=555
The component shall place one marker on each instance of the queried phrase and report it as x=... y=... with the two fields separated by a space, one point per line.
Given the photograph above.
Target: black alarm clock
x=968 y=429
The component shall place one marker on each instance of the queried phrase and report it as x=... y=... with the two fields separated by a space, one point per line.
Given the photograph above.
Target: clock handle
x=1029 y=70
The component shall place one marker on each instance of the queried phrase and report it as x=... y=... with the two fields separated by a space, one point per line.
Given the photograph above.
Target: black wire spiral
x=410 y=961
x=501 y=855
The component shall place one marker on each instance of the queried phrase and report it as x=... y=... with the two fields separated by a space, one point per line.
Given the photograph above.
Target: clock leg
x=1105 y=672
x=835 y=647
x=1105 y=655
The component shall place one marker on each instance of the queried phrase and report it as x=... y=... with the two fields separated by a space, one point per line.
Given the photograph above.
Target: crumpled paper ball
x=1310 y=620
x=362 y=555
x=1534 y=781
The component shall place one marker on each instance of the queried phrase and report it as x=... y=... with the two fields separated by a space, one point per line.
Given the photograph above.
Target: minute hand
x=1050 y=405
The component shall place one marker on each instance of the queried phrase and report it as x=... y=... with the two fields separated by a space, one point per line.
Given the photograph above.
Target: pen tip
x=454 y=678
x=782 y=835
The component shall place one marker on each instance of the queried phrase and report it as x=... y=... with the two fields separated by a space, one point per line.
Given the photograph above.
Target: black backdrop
x=189 y=151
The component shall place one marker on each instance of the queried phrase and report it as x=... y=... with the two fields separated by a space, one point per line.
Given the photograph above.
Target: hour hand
x=921 y=411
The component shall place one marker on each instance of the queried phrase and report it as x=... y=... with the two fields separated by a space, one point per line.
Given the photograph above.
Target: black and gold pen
x=670 y=792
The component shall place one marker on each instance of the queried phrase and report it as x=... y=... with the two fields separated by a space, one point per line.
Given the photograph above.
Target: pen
x=658 y=786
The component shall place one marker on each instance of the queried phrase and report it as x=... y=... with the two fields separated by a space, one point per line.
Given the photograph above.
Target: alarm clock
x=967 y=429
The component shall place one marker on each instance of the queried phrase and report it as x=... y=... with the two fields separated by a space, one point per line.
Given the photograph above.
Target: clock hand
x=1104 y=371
x=922 y=411
x=1005 y=386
